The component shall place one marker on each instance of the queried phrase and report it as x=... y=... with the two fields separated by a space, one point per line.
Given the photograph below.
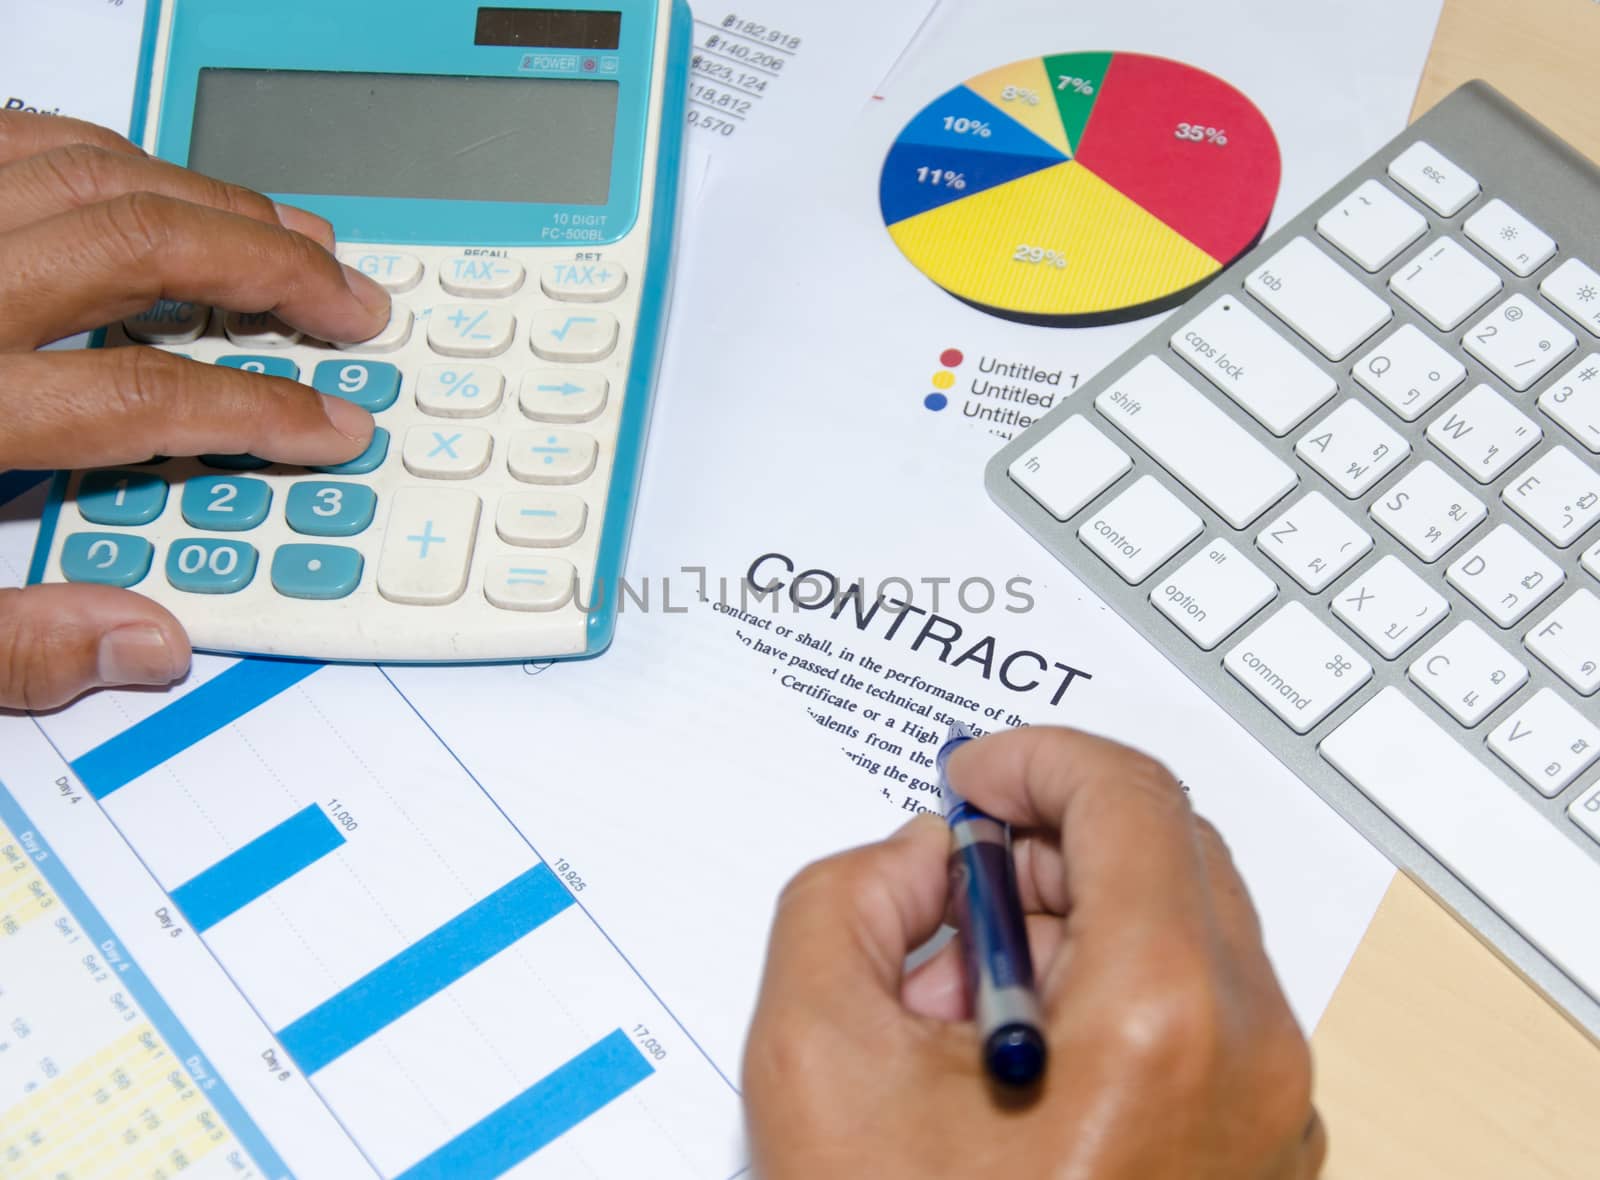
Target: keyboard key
x=226 y=504
x=1236 y=350
x=541 y=521
x=396 y=333
x=1468 y=674
x=1568 y=641
x=331 y=509
x=368 y=461
x=1445 y=283
x=530 y=583
x=1591 y=561
x=1210 y=453
x=1575 y=289
x=320 y=573
x=1314 y=542
x=1452 y=804
x=168 y=322
x=1559 y=495
x=1211 y=595
x=564 y=395
x=1585 y=811
x=1372 y=226
x=1138 y=531
x=372 y=385
x=1352 y=448
x=573 y=338
x=553 y=456
x=1296 y=666
x=196 y=565
x=1505 y=575
x=396 y=273
x=451 y=452
x=258 y=329
x=1547 y=742
x=1390 y=607
x=1433 y=180
x=1519 y=342
x=1484 y=434
x=427 y=549
x=1409 y=373
x=467 y=330
x=106 y=559
x=271 y=366
x=583 y=282
x=1574 y=402
x=1069 y=467
x=457 y=391
x=481 y=276
x=1319 y=299
x=1514 y=241
x=1428 y=512
x=125 y=498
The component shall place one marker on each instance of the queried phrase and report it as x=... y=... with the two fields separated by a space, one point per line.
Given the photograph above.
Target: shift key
x=1213 y=456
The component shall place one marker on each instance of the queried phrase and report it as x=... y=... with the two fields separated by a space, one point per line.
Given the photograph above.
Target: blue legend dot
x=936 y=402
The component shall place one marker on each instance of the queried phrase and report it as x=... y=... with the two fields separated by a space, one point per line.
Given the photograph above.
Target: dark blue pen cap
x=1014 y=1055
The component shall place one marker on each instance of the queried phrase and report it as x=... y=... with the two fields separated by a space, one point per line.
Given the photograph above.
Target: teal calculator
x=510 y=174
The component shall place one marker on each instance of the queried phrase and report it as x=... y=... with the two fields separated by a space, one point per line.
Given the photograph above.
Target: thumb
x=57 y=642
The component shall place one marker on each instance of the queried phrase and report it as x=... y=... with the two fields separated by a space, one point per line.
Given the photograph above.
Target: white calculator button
x=1318 y=298
x=1314 y=542
x=535 y=520
x=393 y=271
x=1069 y=467
x=1574 y=402
x=1428 y=512
x=1559 y=495
x=468 y=330
x=583 y=282
x=1569 y=642
x=1390 y=607
x=566 y=336
x=530 y=583
x=168 y=321
x=1575 y=289
x=1505 y=575
x=1445 y=283
x=1519 y=245
x=460 y=391
x=1253 y=364
x=479 y=276
x=1547 y=742
x=1409 y=373
x=564 y=395
x=1372 y=226
x=1139 y=530
x=1468 y=674
x=1212 y=594
x=1484 y=433
x=1297 y=667
x=1353 y=448
x=1520 y=342
x=1433 y=180
x=553 y=456
x=258 y=329
x=394 y=335
x=427 y=549
x=447 y=452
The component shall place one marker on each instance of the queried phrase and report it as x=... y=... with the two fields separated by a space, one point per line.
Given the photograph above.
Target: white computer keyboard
x=1353 y=490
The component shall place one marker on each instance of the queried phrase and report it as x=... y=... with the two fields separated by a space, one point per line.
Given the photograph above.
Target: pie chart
x=1082 y=188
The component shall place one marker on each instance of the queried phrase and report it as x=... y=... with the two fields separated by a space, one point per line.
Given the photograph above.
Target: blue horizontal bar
x=539 y=1115
x=16 y=483
x=188 y=721
x=260 y=866
x=424 y=969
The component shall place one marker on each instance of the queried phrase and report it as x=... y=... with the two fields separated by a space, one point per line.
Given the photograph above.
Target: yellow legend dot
x=944 y=379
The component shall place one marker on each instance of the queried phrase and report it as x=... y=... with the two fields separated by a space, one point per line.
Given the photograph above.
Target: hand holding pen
x=1172 y=1052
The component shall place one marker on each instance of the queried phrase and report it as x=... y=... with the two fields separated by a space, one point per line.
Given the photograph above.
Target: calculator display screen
x=419 y=136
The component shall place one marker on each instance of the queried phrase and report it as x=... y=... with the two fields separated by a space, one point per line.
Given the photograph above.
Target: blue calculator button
x=368 y=461
x=226 y=503
x=331 y=509
x=234 y=462
x=272 y=366
x=107 y=559
x=316 y=571
x=121 y=497
x=372 y=385
x=197 y=565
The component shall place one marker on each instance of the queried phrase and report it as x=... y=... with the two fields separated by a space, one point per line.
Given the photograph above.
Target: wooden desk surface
x=1434 y=1059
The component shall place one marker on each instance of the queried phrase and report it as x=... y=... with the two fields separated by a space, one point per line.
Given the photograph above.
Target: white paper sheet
x=71 y=57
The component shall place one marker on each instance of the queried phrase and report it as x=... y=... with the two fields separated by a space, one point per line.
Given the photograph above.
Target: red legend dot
x=951 y=358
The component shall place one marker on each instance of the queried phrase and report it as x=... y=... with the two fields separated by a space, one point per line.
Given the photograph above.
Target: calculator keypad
x=200 y=565
x=319 y=573
x=372 y=385
x=226 y=504
x=331 y=509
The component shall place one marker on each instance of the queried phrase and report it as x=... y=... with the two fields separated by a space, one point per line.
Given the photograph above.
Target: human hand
x=93 y=230
x=1173 y=1053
